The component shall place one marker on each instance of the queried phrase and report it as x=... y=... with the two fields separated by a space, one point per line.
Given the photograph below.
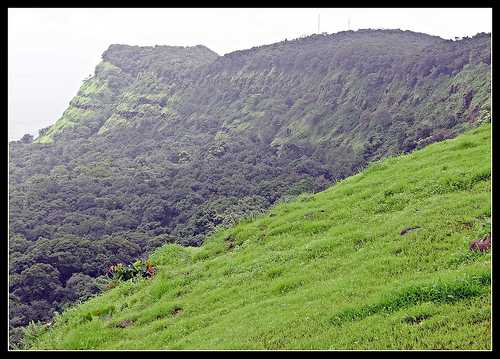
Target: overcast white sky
x=50 y=51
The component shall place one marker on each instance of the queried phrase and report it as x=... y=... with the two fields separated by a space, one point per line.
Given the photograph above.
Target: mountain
x=164 y=144
x=380 y=260
x=123 y=71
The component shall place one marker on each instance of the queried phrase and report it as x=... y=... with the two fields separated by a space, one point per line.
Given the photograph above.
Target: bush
x=121 y=272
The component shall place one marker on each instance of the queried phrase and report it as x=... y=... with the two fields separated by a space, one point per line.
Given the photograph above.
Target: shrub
x=121 y=272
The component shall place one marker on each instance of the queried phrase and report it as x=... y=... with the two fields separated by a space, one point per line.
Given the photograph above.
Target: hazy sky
x=50 y=51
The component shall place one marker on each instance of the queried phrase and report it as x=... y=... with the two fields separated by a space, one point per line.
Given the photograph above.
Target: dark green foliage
x=82 y=286
x=163 y=144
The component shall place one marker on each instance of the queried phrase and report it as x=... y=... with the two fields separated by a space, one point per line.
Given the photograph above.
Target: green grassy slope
x=326 y=271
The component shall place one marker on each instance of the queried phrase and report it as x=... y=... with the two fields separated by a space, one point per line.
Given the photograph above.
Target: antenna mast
x=318 y=22
x=349 y=23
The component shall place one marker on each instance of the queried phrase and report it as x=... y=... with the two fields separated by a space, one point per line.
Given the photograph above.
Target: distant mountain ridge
x=319 y=72
x=120 y=67
x=162 y=144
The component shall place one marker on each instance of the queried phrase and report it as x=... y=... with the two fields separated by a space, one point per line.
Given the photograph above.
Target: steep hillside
x=380 y=260
x=122 y=66
x=165 y=143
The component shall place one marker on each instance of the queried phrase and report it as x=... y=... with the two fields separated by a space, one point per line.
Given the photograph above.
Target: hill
x=163 y=144
x=380 y=260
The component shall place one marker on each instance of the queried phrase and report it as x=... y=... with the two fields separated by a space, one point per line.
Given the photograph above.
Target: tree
x=81 y=286
x=27 y=138
x=40 y=281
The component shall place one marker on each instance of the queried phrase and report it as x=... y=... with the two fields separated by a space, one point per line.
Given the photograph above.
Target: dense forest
x=163 y=144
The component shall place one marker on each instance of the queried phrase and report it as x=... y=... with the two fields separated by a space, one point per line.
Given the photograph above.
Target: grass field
x=325 y=271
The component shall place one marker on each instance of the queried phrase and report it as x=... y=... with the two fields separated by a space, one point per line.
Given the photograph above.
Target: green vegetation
x=138 y=268
x=380 y=260
x=163 y=144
